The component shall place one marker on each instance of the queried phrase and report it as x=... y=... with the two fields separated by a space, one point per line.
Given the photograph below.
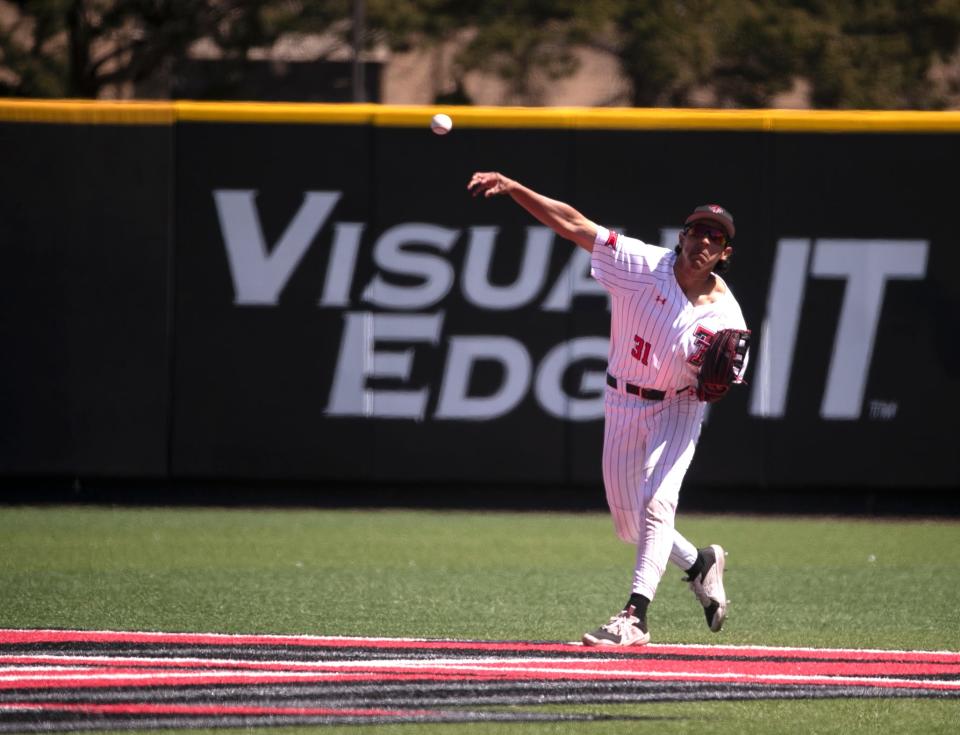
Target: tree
x=521 y=40
x=853 y=53
x=76 y=48
x=517 y=40
x=879 y=54
x=728 y=53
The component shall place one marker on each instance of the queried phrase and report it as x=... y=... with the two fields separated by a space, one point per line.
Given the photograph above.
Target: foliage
x=515 y=38
x=878 y=54
x=728 y=53
x=75 y=48
x=855 y=53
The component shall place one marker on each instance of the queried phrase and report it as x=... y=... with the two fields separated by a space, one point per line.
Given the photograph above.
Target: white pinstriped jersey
x=657 y=336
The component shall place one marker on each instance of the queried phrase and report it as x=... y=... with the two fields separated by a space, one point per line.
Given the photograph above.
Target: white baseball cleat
x=708 y=587
x=622 y=630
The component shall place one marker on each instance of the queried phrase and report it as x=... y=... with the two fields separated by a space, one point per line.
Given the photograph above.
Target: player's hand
x=488 y=183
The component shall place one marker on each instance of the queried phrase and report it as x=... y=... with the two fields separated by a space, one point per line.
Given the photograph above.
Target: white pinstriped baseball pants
x=647 y=448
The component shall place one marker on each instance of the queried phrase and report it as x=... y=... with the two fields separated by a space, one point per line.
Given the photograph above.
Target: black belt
x=649 y=393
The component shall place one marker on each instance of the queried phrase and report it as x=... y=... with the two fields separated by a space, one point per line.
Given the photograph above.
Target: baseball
x=441 y=124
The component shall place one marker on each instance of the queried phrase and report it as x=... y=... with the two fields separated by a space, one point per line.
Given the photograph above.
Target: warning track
x=63 y=680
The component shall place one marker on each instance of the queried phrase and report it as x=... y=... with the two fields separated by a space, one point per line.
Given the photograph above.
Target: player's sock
x=697 y=567
x=705 y=559
x=639 y=604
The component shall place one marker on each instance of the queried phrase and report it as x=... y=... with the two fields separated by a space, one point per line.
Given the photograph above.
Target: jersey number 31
x=641 y=350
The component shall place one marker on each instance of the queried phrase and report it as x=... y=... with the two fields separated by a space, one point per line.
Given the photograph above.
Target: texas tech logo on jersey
x=701 y=341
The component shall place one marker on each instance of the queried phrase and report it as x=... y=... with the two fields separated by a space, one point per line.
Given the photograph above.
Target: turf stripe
x=45 y=680
x=64 y=665
x=201 y=709
x=73 y=680
x=268 y=653
x=12 y=636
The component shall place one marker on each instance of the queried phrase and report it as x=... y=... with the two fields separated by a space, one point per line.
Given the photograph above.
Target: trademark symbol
x=883 y=410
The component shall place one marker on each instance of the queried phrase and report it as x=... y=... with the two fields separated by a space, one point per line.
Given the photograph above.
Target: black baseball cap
x=714 y=213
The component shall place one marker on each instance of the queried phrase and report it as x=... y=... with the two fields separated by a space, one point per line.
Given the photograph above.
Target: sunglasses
x=714 y=234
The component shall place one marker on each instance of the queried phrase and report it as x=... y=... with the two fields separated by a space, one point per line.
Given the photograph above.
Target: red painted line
x=707 y=665
x=166 y=679
x=15 y=636
x=11 y=666
x=844 y=654
x=572 y=670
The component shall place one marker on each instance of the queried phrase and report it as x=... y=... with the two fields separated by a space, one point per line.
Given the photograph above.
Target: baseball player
x=666 y=307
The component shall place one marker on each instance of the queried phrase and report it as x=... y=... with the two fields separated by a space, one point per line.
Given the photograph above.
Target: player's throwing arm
x=558 y=216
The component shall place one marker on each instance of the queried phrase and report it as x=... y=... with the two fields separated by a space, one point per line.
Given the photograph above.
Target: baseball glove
x=722 y=364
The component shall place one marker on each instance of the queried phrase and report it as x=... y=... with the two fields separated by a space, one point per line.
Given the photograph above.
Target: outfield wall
x=307 y=292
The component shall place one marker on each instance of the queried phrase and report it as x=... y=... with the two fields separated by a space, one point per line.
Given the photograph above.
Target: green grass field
x=505 y=576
